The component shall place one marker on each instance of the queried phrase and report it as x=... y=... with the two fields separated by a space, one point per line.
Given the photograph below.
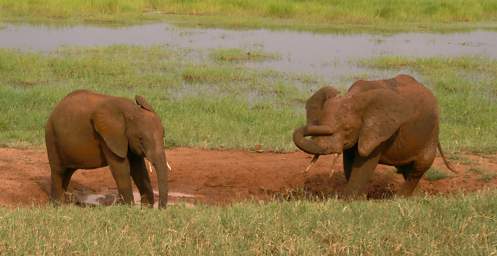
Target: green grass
x=488 y=177
x=220 y=104
x=462 y=225
x=477 y=170
x=485 y=175
x=202 y=105
x=460 y=159
x=466 y=89
x=241 y=55
x=319 y=15
x=434 y=174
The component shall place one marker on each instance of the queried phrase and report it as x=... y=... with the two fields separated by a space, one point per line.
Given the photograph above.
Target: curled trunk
x=314 y=105
x=308 y=146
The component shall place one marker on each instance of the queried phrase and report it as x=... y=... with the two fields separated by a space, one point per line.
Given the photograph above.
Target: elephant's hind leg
x=413 y=172
x=411 y=177
x=56 y=171
x=60 y=178
x=141 y=178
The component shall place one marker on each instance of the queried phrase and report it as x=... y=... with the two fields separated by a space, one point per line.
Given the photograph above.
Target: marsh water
x=330 y=56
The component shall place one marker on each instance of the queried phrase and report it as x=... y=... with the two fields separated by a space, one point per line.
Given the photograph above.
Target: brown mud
x=220 y=177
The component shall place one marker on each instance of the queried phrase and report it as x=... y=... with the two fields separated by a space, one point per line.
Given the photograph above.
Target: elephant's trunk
x=162 y=171
x=310 y=146
x=317 y=130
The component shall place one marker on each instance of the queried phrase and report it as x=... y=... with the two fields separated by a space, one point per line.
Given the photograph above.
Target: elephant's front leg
x=348 y=161
x=121 y=172
x=142 y=179
x=361 y=171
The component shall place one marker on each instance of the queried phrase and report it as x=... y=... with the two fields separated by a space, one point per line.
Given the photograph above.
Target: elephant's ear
x=109 y=123
x=385 y=112
x=142 y=102
x=314 y=105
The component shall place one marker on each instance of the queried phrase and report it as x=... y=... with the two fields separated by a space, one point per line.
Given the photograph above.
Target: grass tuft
x=281 y=9
x=485 y=175
x=434 y=174
x=240 y=55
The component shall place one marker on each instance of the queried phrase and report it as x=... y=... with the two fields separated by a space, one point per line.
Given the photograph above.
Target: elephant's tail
x=445 y=159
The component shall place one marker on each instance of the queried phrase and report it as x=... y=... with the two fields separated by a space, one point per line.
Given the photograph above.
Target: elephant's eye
x=140 y=140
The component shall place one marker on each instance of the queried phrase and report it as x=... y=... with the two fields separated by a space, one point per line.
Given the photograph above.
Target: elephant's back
x=71 y=129
x=419 y=96
x=413 y=92
x=75 y=106
x=425 y=116
x=400 y=83
x=408 y=85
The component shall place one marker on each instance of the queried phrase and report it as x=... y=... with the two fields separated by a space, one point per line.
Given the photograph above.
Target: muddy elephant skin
x=88 y=130
x=393 y=122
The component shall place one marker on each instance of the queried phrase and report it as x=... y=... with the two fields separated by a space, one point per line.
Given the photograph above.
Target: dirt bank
x=214 y=176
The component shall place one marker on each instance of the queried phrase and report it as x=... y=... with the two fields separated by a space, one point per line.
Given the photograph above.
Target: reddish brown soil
x=227 y=176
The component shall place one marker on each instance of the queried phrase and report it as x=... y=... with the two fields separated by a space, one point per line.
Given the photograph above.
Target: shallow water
x=330 y=56
x=111 y=197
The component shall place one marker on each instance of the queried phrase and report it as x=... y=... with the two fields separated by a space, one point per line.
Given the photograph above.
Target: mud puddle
x=330 y=56
x=110 y=197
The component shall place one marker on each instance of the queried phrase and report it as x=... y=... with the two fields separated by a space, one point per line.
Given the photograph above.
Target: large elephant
x=88 y=130
x=393 y=122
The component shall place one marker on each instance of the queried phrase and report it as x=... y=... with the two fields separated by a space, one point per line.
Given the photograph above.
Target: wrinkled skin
x=393 y=122
x=87 y=130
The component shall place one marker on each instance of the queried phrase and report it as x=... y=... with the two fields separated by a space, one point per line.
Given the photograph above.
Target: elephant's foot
x=412 y=174
x=147 y=200
x=408 y=188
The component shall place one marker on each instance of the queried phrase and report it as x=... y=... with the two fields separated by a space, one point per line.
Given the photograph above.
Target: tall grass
x=458 y=225
x=240 y=55
x=319 y=13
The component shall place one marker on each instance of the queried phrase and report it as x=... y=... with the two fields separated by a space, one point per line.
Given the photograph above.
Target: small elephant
x=393 y=122
x=87 y=130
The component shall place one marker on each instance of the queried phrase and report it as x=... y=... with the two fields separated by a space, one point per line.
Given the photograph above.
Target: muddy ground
x=220 y=177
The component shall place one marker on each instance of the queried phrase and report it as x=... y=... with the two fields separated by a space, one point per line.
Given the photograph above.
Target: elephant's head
x=126 y=126
x=337 y=122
